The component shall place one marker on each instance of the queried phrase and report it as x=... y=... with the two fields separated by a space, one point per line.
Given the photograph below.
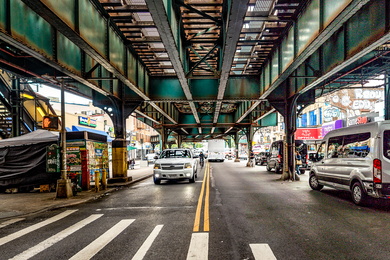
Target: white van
x=357 y=159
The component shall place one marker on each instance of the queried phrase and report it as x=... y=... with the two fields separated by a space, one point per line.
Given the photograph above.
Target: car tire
x=302 y=171
x=156 y=181
x=192 y=180
x=359 y=197
x=268 y=168
x=278 y=169
x=313 y=182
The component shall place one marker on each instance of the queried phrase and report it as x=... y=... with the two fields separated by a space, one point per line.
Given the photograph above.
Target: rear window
x=386 y=144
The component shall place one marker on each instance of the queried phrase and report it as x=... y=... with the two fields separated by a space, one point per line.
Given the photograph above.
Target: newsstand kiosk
x=86 y=153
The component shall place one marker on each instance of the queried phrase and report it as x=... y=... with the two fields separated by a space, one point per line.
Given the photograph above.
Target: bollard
x=104 y=179
x=97 y=181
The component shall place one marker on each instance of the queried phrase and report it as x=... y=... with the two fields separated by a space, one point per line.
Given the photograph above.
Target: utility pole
x=64 y=187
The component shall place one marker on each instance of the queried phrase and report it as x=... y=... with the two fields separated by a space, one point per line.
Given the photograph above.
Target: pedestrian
x=132 y=164
x=252 y=158
x=298 y=161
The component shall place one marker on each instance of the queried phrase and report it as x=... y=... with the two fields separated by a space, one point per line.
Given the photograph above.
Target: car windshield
x=176 y=154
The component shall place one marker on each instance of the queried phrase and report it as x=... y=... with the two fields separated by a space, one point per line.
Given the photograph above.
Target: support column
x=118 y=110
x=236 y=141
x=179 y=141
x=163 y=139
x=289 y=143
x=249 y=138
x=119 y=161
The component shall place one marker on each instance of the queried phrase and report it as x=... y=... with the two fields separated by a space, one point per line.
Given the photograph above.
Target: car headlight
x=157 y=166
x=188 y=165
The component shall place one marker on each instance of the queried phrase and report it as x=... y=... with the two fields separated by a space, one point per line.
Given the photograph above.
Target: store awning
x=131 y=148
x=80 y=128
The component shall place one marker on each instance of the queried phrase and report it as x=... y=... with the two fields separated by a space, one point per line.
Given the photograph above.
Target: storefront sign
x=87 y=121
x=363 y=119
x=308 y=134
x=326 y=128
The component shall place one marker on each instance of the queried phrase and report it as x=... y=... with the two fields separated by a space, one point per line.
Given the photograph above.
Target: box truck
x=216 y=150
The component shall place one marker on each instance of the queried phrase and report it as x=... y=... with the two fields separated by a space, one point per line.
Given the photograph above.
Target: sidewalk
x=19 y=204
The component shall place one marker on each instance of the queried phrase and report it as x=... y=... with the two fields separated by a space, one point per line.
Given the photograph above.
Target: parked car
x=261 y=158
x=175 y=164
x=356 y=159
x=275 y=159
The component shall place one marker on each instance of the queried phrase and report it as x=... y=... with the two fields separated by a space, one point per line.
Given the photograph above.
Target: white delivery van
x=356 y=159
x=216 y=150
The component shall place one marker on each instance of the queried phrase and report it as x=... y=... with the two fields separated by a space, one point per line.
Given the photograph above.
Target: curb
x=98 y=196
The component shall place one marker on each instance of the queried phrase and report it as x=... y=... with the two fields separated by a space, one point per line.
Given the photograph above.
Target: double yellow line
x=206 y=225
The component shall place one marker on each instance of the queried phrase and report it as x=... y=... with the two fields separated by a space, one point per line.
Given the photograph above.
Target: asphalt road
x=244 y=213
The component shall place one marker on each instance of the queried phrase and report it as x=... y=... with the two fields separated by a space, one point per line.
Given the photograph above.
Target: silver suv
x=175 y=164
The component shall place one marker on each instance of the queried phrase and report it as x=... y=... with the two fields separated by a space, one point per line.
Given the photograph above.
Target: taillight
x=280 y=158
x=377 y=171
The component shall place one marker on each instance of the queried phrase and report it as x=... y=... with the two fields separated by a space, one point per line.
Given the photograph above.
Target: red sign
x=308 y=134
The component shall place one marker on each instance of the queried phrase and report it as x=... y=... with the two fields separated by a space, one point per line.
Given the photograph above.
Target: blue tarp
x=80 y=128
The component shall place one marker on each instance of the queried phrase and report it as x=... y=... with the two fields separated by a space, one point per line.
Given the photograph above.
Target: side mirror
x=155 y=157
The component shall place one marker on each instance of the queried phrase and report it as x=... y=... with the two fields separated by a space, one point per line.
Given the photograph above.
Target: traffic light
x=50 y=122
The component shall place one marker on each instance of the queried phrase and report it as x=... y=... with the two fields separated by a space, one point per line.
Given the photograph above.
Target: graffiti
x=330 y=113
x=369 y=94
x=361 y=104
x=345 y=101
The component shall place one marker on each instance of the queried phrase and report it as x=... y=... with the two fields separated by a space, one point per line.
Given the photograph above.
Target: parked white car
x=175 y=164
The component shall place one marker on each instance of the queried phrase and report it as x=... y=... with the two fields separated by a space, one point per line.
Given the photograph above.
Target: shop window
x=304 y=120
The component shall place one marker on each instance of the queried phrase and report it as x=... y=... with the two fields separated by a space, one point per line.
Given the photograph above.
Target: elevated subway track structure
x=198 y=68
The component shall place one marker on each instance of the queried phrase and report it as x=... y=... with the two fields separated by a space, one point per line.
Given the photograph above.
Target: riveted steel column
x=236 y=141
x=289 y=144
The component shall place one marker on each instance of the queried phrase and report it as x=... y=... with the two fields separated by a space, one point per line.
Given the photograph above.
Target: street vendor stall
x=86 y=153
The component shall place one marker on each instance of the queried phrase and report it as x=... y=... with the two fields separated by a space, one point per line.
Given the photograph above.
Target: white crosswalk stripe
x=32 y=228
x=56 y=238
x=11 y=221
x=262 y=252
x=148 y=242
x=199 y=247
x=89 y=251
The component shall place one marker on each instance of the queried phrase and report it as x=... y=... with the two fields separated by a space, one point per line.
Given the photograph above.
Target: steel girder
x=235 y=20
x=160 y=17
x=104 y=59
x=323 y=36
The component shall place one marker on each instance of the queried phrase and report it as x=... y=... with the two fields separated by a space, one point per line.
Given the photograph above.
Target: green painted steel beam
x=95 y=36
x=236 y=14
x=162 y=20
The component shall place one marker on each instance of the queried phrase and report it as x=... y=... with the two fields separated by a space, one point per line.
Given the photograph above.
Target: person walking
x=252 y=158
x=132 y=163
x=298 y=161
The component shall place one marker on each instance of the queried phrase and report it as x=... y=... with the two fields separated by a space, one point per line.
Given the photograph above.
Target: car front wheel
x=192 y=180
x=156 y=181
x=313 y=182
x=268 y=168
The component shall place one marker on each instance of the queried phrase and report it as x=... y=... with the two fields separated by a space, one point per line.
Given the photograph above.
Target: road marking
x=147 y=244
x=146 y=207
x=32 y=228
x=199 y=208
x=199 y=246
x=262 y=251
x=206 y=226
x=98 y=244
x=55 y=238
x=11 y=221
